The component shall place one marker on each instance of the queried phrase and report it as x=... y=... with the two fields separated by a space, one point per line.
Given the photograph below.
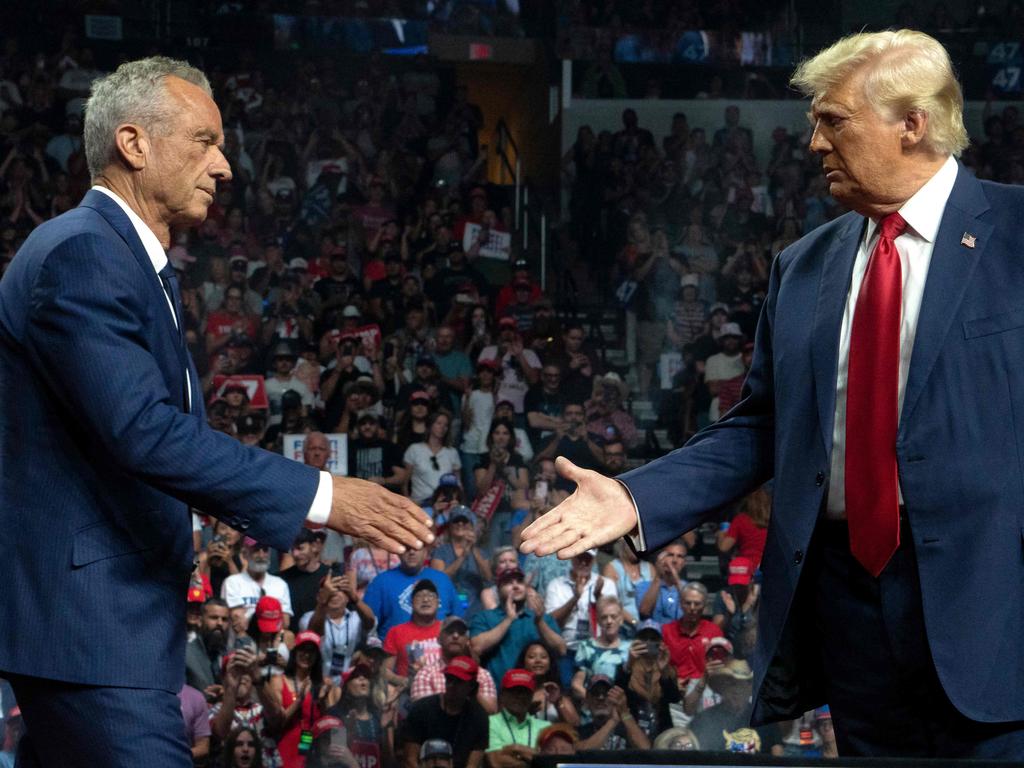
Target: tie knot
x=892 y=226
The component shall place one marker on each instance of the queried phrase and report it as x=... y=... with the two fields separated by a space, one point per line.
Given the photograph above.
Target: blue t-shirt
x=521 y=633
x=389 y=596
x=468 y=581
x=667 y=608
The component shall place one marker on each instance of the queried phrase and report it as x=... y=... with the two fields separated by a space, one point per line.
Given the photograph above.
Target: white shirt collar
x=154 y=250
x=923 y=211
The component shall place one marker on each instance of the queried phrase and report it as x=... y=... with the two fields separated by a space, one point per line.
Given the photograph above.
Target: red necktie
x=872 y=405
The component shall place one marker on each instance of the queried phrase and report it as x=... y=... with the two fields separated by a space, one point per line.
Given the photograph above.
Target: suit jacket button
x=819 y=479
x=798 y=557
x=243 y=523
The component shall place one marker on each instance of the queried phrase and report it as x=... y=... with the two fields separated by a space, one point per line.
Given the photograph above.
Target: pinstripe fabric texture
x=98 y=462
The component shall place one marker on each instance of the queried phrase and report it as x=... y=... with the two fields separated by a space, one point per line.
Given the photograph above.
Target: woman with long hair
x=434 y=457
x=477 y=414
x=242 y=749
x=503 y=464
x=304 y=696
x=549 y=701
x=748 y=531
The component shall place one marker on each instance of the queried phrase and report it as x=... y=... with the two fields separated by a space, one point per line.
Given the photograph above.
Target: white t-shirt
x=276 y=389
x=240 y=589
x=474 y=434
x=512 y=384
x=424 y=475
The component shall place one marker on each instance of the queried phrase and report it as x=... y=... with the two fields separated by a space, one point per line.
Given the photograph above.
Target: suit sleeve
x=721 y=463
x=86 y=335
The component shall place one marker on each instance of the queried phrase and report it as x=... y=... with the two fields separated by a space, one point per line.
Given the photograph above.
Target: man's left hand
x=365 y=510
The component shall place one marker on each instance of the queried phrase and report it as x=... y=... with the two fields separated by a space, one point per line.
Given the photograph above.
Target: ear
x=132 y=144
x=913 y=127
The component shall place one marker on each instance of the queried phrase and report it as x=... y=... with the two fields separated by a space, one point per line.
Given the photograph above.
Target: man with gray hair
x=884 y=398
x=96 y=377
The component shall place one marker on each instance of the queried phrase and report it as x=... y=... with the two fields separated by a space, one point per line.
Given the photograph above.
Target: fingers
x=567 y=469
x=558 y=541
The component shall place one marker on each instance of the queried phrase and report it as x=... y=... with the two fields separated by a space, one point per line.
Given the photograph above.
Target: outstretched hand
x=365 y=510
x=599 y=511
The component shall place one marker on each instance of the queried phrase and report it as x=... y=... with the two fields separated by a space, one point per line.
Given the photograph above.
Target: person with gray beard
x=243 y=590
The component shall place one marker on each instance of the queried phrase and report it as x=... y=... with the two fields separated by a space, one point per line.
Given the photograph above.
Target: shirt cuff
x=638 y=540
x=320 y=509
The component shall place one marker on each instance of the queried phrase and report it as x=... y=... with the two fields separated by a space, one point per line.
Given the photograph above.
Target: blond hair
x=908 y=71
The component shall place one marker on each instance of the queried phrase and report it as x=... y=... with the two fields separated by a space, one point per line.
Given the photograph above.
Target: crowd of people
x=353 y=301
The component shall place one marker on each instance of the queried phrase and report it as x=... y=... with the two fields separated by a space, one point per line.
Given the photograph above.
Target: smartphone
x=337 y=569
x=245 y=644
x=271 y=657
x=653 y=648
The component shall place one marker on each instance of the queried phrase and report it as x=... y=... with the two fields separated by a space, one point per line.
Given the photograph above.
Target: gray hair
x=134 y=93
x=695 y=586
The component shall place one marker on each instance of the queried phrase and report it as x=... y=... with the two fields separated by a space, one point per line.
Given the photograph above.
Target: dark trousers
x=883 y=691
x=82 y=726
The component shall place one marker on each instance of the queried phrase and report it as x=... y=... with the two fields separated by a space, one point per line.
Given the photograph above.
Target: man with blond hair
x=884 y=398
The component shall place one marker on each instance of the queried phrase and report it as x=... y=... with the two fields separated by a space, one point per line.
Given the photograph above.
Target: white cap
x=691 y=280
x=730 y=329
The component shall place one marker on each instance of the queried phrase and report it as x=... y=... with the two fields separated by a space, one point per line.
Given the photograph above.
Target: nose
x=220 y=169
x=819 y=144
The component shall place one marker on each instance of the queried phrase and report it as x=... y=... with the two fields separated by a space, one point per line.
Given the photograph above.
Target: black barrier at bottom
x=638 y=759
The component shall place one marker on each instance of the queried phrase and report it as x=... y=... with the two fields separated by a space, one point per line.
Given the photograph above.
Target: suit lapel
x=948 y=275
x=836 y=271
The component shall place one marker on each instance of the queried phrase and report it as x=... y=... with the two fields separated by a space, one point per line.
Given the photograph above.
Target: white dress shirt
x=923 y=214
x=320 y=509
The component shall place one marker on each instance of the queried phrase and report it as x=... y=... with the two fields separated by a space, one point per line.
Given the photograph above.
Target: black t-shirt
x=372 y=458
x=332 y=289
x=303 y=587
x=467 y=732
x=579 y=454
x=539 y=401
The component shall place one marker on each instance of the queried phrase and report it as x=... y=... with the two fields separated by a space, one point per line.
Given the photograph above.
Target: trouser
x=82 y=726
x=883 y=691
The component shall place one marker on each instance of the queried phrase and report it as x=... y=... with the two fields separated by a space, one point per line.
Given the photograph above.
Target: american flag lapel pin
x=968 y=240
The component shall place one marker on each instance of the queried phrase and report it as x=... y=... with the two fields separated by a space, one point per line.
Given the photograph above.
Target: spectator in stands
x=520 y=367
x=697 y=696
x=426 y=462
x=223 y=555
x=197 y=722
x=304 y=694
x=735 y=609
x=248 y=703
x=243 y=591
x=557 y=739
x=677 y=739
x=454 y=716
x=415 y=642
x=725 y=727
x=748 y=531
x=360 y=715
x=522 y=308
x=389 y=595
x=571 y=599
x=608 y=724
x=502 y=559
x=499 y=635
x=687 y=638
x=14 y=729
x=649 y=680
x=659 y=599
x=550 y=701
x=502 y=471
x=243 y=748
x=507 y=294
x=689 y=314
x=453 y=365
x=462 y=560
x=430 y=678
x=371 y=457
x=342 y=620
x=231 y=319
x=604 y=653
x=578 y=364
x=614 y=456
x=284 y=380
x=726 y=365
x=544 y=403
x=436 y=753
x=307 y=572
x=412 y=423
x=606 y=417
x=203 y=654
x=574 y=442
x=513 y=731
x=477 y=413
x=369 y=561
x=504 y=410
x=730 y=390
x=626 y=572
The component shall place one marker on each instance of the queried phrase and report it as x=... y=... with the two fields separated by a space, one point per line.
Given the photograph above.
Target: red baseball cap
x=268 y=615
x=741 y=570
x=462 y=667
x=518 y=678
x=359 y=670
x=507 y=321
x=325 y=724
x=307 y=637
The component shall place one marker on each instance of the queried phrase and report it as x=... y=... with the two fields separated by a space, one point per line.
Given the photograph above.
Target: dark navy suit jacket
x=959 y=449
x=99 y=461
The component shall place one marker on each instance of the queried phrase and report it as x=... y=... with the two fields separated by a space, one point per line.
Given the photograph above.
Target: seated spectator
x=244 y=748
x=477 y=413
x=454 y=641
x=605 y=653
x=574 y=443
x=677 y=739
x=500 y=634
x=436 y=753
x=371 y=457
x=222 y=555
x=688 y=637
x=520 y=367
x=747 y=533
x=513 y=731
x=557 y=739
x=544 y=403
x=454 y=716
x=304 y=694
x=203 y=653
x=570 y=599
x=608 y=724
x=503 y=559
x=415 y=642
x=426 y=462
x=197 y=722
x=369 y=561
x=389 y=595
x=659 y=598
x=247 y=702
x=626 y=572
x=726 y=726
x=649 y=680
x=243 y=591
x=735 y=609
x=606 y=417
x=447 y=497
x=505 y=410
x=342 y=620
x=462 y=560
x=502 y=466
x=614 y=451
x=305 y=574
x=230 y=319
x=698 y=696
x=550 y=701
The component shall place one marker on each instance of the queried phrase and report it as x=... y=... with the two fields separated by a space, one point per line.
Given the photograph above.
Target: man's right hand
x=367 y=511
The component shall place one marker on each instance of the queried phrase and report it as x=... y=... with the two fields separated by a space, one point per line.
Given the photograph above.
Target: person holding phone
x=604 y=653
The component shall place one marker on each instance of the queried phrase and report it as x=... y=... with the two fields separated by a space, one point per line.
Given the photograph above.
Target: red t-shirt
x=685 y=652
x=749 y=538
x=409 y=642
x=219 y=323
